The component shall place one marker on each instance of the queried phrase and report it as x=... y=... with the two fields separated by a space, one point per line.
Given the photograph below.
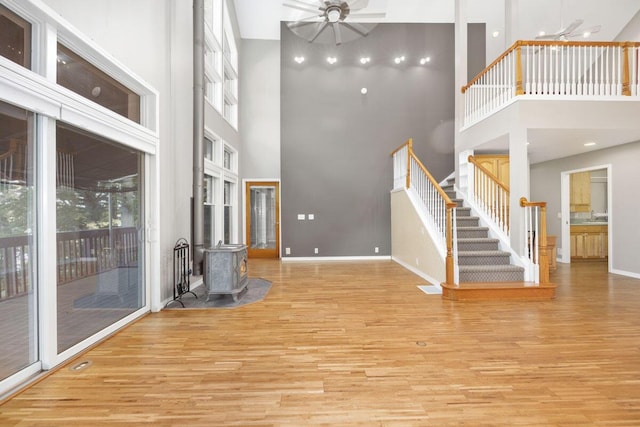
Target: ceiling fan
x=338 y=15
x=572 y=30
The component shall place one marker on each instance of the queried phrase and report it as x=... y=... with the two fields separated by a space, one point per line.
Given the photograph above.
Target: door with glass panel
x=263 y=219
x=18 y=289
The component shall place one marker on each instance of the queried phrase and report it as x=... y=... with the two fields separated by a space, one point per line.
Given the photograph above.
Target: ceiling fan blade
x=575 y=24
x=548 y=37
x=368 y=15
x=308 y=9
x=336 y=33
x=358 y=4
x=586 y=32
x=320 y=30
x=354 y=26
x=298 y=24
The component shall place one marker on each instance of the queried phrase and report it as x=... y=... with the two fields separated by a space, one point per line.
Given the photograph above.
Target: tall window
x=228 y=211
x=210 y=196
x=17 y=241
x=15 y=38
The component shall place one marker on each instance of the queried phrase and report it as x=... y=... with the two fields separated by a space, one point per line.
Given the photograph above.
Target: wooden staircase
x=485 y=271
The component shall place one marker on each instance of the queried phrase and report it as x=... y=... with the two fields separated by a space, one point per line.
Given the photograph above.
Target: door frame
x=565 y=196
x=246 y=183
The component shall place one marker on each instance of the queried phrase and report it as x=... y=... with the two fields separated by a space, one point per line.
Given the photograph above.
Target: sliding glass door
x=18 y=289
x=99 y=230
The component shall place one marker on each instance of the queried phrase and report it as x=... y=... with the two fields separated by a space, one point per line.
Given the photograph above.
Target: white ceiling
x=260 y=19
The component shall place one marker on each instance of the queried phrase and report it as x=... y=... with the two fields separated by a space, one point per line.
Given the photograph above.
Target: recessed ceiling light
x=299 y=59
x=425 y=60
x=399 y=59
x=332 y=59
x=495 y=34
x=589 y=144
x=365 y=60
x=364 y=91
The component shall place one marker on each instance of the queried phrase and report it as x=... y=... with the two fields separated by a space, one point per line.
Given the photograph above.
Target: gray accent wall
x=623 y=220
x=336 y=142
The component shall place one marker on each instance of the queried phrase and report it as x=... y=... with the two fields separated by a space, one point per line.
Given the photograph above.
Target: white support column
x=518 y=184
x=460 y=70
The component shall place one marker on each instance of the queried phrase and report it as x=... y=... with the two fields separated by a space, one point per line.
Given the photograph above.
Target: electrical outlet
x=287 y=251
x=315 y=250
x=311 y=217
x=376 y=249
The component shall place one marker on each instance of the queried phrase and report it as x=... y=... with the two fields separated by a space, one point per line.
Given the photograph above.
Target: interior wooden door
x=263 y=219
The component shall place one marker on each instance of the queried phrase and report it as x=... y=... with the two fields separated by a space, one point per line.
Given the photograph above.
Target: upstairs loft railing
x=490 y=195
x=410 y=173
x=554 y=69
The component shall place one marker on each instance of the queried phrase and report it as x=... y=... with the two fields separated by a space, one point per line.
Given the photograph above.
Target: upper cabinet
x=580 y=200
x=497 y=164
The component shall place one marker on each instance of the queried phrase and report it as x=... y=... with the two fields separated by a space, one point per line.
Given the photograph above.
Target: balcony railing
x=79 y=254
x=554 y=69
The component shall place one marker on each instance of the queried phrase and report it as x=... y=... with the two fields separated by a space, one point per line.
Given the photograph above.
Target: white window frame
x=35 y=90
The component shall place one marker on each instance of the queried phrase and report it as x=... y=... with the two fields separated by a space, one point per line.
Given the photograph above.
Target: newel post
x=544 y=249
x=626 y=90
x=409 y=154
x=449 y=238
x=519 y=90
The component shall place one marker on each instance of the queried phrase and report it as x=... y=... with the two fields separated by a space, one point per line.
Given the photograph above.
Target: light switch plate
x=311 y=217
x=300 y=217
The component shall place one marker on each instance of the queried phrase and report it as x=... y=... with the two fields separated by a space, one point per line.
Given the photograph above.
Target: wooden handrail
x=408 y=142
x=487 y=172
x=441 y=192
x=544 y=254
x=520 y=43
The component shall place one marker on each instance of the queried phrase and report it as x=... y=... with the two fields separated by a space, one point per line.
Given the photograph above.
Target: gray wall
x=623 y=222
x=335 y=142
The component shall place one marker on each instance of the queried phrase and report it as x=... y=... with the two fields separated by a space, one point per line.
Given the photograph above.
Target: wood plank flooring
x=358 y=344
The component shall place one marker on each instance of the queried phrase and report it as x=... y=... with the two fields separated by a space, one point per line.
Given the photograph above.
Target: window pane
x=208 y=149
x=83 y=78
x=17 y=241
x=227 y=159
x=99 y=227
x=15 y=38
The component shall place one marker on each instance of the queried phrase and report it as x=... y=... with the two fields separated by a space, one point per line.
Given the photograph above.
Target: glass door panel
x=99 y=233
x=263 y=227
x=17 y=242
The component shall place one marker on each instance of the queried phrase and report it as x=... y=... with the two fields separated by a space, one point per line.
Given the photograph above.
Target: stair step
x=463 y=212
x=483 y=258
x=466 y=291
x=472 y=232
x=467 y=221
x=491 y=273
x=478 y=244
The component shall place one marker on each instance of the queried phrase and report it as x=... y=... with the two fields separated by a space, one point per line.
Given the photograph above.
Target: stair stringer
x=415 y=242
x=503 y=239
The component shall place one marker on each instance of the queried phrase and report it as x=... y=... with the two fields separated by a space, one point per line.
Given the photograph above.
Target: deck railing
x=79 y=254
x=554 y=68
x=411 y=174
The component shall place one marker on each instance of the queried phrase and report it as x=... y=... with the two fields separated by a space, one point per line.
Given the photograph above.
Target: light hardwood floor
x=345 y=344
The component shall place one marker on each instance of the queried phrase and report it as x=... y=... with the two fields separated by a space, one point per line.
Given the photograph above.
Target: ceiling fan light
x=332 y=59
x=333 y=14
x=586 y=34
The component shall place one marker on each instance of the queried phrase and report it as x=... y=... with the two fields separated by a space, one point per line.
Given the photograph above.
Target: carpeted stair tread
x=483 y=253
x=489 y=268
x=476 y=239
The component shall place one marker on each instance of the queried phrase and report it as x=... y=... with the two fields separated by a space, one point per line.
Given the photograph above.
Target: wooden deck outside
x=344 y=344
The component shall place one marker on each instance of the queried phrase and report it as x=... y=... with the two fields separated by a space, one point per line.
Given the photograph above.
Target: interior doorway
x=262 y=219
x=587 y=215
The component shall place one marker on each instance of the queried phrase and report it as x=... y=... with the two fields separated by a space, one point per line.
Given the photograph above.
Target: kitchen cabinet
x=497 y=164
x=580 y=194
x=589 y=241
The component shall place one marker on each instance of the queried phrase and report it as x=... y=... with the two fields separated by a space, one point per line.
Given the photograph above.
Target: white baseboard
x=414 y=270
x=336 y=258
x=625 y=273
